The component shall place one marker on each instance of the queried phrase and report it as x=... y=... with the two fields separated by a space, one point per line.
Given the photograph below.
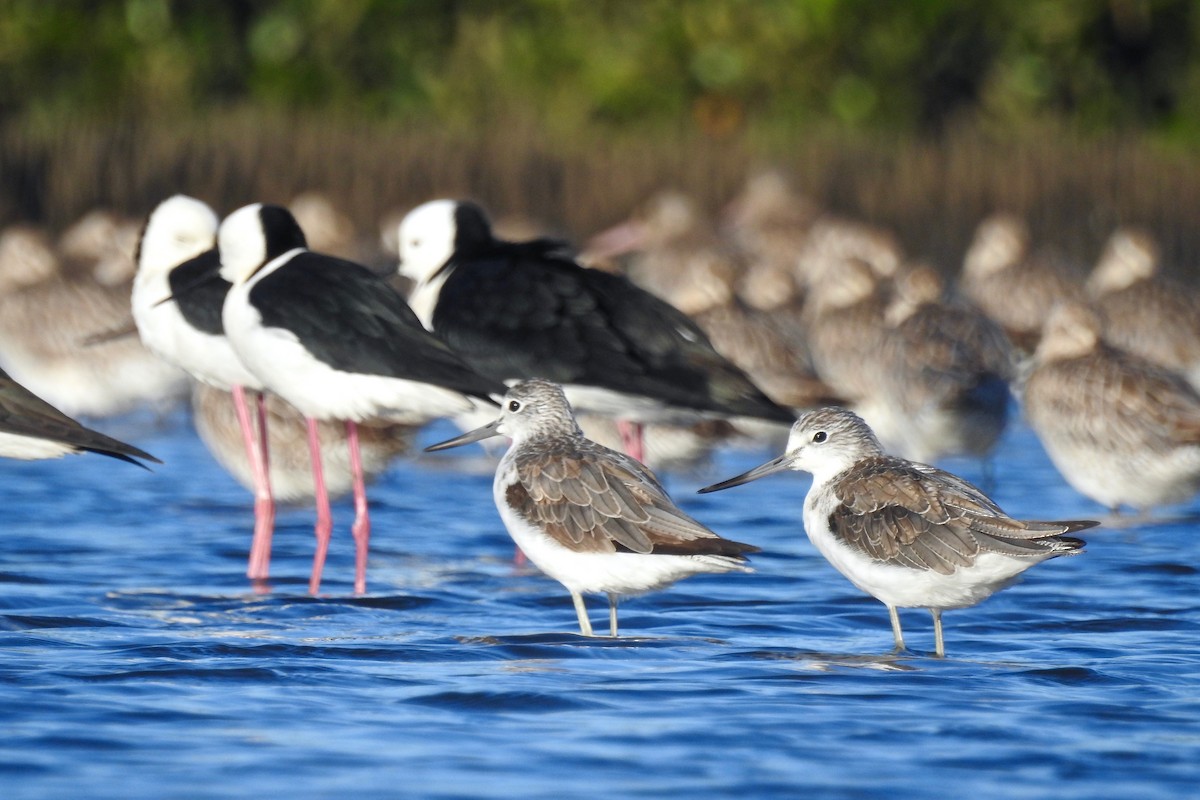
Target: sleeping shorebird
x=592 y=518
x=847 y=333
x=31 y=428
x=50 y=305
x=518 y=310
x=1120 y=429
x=177 y=259
x=1143 y=312
x=768 y=220
x=909 y=535
x=334 y=340
x=1013 y=284
x=947 y=368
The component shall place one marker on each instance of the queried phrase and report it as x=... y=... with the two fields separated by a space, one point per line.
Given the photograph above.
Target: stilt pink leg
x=259 y=565
x=264 y=450
x=362 y=518
x=324 y=525
x=631 y=438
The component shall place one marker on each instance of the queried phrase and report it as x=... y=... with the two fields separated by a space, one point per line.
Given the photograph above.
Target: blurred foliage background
x=923 y=115
x=767 y=66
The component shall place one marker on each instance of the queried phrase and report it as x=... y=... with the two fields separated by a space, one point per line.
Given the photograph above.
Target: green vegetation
x=920 y=115
x=772 y=67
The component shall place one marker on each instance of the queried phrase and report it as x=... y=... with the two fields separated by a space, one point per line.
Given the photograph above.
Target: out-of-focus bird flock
x=817 y=309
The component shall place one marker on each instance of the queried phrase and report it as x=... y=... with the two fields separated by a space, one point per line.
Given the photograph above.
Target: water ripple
x=137 y=663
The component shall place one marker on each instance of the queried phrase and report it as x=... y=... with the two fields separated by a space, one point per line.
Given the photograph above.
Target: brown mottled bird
x=947 y=368
x=1011 y=283
x=1121 y=430
x=1141 y=311
x=909 y=535
x=592 y=518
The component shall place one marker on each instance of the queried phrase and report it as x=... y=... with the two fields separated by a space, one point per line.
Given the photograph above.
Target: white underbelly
x=28 y=448
x=906 y=587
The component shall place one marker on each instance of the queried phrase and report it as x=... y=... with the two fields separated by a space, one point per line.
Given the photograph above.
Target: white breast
x=164 y=331
x=900 y=586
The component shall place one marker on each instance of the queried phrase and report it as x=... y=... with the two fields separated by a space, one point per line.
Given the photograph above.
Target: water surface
x=136 y=662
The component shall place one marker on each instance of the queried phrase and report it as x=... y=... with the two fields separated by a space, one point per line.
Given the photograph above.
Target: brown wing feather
x=1109 y=395
x=920 y=517
x=591 y=499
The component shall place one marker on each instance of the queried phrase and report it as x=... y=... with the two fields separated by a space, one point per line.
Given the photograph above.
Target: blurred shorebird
x=1120 y=429
x=947 y=371
x=845 y=325
x=909 y=535
x=1013 y=285
x=31 y=428
x=337 y=342
x=517 y=310
x=380 y=441
x=1142 y=312
x=847 y=333
x=832 y=241
x=669 y=249
x=591 y=518
x=769 y=222
x=101 y=245
x=747 y=310
x=177 y=261
x=51 y=304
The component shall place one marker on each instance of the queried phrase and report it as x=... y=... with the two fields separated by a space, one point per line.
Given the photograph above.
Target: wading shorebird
x=591 y=518
x=909 y=535
x=1121 y=430
x=177 y=260
x=337 y=342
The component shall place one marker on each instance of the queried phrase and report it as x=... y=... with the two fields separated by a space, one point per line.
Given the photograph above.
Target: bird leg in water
x=939 y=642
x=585 y=624
x=612 y=614
x=324 y=526
x=897 y=634
x=259 y=566
x=362 y=518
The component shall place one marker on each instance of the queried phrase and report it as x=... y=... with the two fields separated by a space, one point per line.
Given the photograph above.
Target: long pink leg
x=259 y=565
x=265 y=453
x=362 y=517
x=324 y=525
x=631 y=438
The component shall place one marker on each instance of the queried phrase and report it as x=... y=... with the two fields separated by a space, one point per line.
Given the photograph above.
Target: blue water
x=137 y=663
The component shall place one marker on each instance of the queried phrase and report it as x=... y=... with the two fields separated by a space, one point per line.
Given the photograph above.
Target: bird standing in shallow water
x=177 y=259
x=338 y=343
x=1121 y=429
x=946 y=368
x=909 y=535
x=593 y=519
